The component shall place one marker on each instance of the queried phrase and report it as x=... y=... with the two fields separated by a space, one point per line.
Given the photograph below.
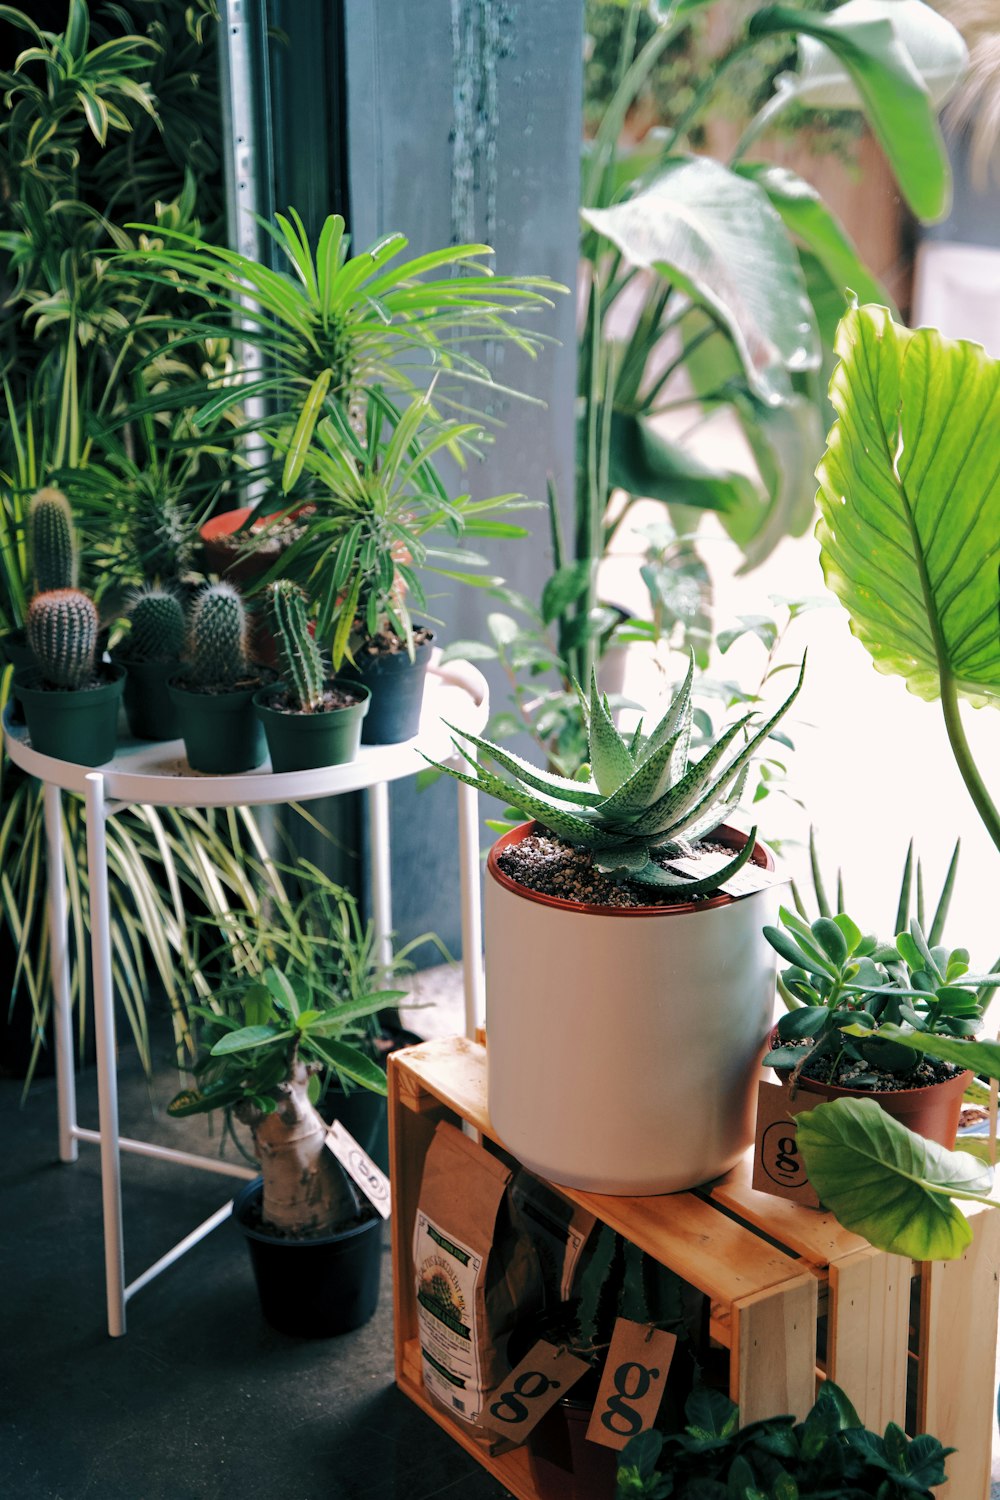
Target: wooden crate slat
x=816 y=1236
x=955 y=1387
x=773 y=1355
x=867 y=1333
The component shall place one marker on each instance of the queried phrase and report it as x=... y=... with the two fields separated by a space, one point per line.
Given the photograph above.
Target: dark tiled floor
x=201 y=1400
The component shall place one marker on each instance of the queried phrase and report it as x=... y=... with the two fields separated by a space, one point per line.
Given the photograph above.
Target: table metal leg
x=381 y=871
x=472 y=917
x=59 y=970
x=107 y=1077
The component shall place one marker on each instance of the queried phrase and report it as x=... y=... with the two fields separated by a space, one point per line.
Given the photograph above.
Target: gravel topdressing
x=545 y=864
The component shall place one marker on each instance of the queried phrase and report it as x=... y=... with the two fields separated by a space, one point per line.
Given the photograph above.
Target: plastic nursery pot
x=625 y=1043
x=397 y=689
x=222 y=734
x=151 y=712
x=312 y=1288
x=563 y=1464
x=78 y=725
x=301 y=742
x=931 y=1111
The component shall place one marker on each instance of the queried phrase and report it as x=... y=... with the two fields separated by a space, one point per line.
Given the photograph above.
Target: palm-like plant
x=332 y=325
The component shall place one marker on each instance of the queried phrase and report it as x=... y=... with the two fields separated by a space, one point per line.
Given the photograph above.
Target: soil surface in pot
x=544 y=863
x=850 y=1074
x=259 y=678
x=333 y=698
x=266 y=537
x=101 y=678
x=253 y=1219
x=387 y=642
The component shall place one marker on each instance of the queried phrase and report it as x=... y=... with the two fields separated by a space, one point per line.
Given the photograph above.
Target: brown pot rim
x=724 y=834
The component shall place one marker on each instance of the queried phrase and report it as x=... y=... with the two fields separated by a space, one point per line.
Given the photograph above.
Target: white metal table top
x=158 y=773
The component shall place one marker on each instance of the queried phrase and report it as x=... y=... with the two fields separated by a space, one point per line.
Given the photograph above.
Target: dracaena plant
x=646 y=802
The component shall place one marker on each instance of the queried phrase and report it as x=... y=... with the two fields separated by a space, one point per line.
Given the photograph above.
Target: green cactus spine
x=301 y=663
x=62 y=633
x=219 y=636
x=52 y=541
x=157 y=626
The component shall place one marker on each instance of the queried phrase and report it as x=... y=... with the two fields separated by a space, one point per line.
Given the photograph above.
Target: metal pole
x=59 y=970
x=472 y=916
x=381 y=871
x=107 y=1077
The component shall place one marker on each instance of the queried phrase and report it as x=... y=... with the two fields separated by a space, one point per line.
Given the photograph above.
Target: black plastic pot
x=151 y=712
x=79 y=726
x=397 y=689
x=222 y=734
x=313 y=1288
x=301 y=742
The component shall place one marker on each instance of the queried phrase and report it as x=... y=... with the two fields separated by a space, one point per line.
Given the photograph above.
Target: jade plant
x=850 y=993
x=52 y=542
x=645 y=803
x=298 y=655
x=157 y=633
x=62 y=628
x=267 y=1072
x=829 y=1456
x=218 y=638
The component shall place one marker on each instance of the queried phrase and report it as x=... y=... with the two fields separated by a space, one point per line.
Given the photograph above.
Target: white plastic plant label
x=360 y=1168
x=447 y=1275
x=751 y=878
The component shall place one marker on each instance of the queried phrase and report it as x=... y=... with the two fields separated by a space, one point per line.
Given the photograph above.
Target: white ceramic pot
x=624 y=1045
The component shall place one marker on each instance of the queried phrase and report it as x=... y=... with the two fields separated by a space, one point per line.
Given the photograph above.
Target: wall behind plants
x=463 y=123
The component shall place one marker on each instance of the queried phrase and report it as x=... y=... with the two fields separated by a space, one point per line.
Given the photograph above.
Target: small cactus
x=301 y=663
x=62 y=633
x=52 y=541
x=157 y=626
x=219 y=636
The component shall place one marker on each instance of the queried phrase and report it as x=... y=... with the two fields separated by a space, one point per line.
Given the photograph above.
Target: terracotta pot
x=220 y=558
x=931 y=1111
x=625 y=1043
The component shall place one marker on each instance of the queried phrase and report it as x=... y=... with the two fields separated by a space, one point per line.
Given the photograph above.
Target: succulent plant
x=864 y=1003
x=219 y=636
x=645 y=800
x=163 y=532
x=52 y=541
x=157 y=626
x=301 y=663
x=62 y=630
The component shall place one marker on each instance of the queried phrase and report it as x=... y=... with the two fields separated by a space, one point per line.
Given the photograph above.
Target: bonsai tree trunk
x=305 y=1190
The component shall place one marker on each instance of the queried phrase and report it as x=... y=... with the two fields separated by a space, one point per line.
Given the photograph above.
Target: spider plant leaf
x=610 y=759
x=910 y=504
x=886 y=1183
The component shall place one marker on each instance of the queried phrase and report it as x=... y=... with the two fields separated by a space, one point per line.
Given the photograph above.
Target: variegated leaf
x=642 y=788
x=531 y=776
x=567 y=825
x=610 y=759
x=697 y=825
x=692 y=787
x=676 y=715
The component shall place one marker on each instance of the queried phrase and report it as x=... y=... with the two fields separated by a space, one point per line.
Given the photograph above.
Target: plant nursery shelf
x=158 y=775
x=794 y=1297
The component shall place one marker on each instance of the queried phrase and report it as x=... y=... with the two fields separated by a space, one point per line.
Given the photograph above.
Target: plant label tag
x=751 y=878
x=520 y=1402
x=360 y=1168
x=778 y=1167
x=632 y=1386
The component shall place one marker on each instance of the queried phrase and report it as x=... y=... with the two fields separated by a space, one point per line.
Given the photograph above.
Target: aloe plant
x=646 y=801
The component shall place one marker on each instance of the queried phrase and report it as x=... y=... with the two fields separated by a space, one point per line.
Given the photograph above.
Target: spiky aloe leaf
x=692 y=787
x=531 y=776
x=569 y=826
x=644 y=786
x=610 y=758
x=675 y=716
x=655 y=875
x=699 y=822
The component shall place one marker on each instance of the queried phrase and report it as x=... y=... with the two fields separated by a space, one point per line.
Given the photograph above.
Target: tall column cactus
x=219 y=637
x=301 y=663
x=157 y=626
x=52 y=541
x=62 y=630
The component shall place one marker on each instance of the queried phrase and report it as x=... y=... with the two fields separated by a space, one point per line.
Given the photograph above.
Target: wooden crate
x=794 y=1297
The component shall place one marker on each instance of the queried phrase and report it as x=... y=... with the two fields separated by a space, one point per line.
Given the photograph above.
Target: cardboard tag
x=751 y=878
x=544 y=1375
x=633 y=1383
x=777 y=1166
x=360 y=1168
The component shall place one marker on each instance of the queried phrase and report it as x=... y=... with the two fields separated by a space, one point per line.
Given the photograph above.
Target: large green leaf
x=643 y=463
x=886 y=1183
x=910 y=503
x=714 y=235
x=892 y=94
x=807 y=216
x=785 y=441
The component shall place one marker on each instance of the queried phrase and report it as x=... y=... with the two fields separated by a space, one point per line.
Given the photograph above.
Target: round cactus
x=219 y=636
x=301 y=663
x=62 y=630
x=52 y=541
x=157 y=626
